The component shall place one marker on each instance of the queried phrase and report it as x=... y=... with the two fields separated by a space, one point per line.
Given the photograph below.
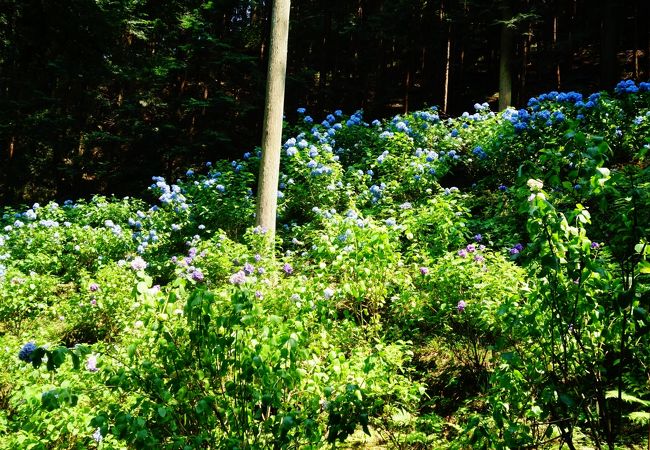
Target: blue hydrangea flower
x=25 y=353
x=627 y=87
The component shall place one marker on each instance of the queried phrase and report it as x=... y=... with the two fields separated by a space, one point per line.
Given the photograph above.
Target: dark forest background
x=96 y=96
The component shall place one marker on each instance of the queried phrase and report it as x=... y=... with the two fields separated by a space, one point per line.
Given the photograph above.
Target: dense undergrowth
x=475 y=282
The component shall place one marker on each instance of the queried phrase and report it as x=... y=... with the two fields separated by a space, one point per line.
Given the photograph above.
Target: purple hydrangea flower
x=91 y=364
x=479 y=258
x=595 y=245
x=471 y=248
x=94 y=287
x=287 y=268
x=238 y=278
x=461 y=306
x=97 y=435
x=248 y=268
x=138 y=263
x=462 y=253
x=197 y=275
x=424 y=270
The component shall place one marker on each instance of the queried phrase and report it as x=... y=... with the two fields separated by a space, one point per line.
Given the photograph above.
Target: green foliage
x=396 y=308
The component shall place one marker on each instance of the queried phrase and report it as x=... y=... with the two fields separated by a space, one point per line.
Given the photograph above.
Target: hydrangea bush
x=478 y=281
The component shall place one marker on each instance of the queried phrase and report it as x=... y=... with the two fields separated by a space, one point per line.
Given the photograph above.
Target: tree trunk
x=267 y=195
x=608 y=45
x=447 y=70
x=505 y=59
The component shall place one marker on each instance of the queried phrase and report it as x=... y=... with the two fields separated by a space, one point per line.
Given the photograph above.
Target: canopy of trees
x=95 y=95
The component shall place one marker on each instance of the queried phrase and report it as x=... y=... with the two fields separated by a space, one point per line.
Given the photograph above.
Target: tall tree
x=267 y=196
x=609 y=70
x=505 y=56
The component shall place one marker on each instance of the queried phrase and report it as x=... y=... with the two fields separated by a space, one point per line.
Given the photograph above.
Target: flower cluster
x=25 y=353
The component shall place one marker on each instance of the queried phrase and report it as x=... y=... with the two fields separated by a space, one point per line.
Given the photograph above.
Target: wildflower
x=91 y=364
x=461 y=306
x=25 y=353
x=138 y=263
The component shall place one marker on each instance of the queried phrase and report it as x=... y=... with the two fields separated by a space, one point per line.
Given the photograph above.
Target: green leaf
x=640 y=417
x=627 y=398
x=644 y=267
